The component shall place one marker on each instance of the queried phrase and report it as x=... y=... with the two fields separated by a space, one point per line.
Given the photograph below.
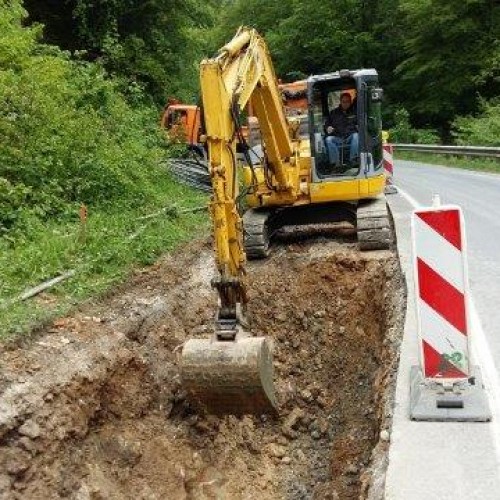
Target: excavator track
x=374 y=225
x=257 y=233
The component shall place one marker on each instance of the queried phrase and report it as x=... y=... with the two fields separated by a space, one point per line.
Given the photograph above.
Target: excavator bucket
x=229 y=377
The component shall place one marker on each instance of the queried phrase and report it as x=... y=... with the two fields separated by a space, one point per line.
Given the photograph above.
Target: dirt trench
x=93 y=408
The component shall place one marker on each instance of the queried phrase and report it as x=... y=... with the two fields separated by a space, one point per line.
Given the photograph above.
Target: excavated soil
x=93 y=408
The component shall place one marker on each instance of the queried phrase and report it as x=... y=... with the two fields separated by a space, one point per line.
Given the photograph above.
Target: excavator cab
x=324 y=93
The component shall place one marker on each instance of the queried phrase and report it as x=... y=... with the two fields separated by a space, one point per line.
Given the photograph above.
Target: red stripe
x=443 y=297
x=446 y=223
x=388 y=165
x=437 y=366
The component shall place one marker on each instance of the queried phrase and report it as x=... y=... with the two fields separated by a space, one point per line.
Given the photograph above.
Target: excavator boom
x=232 y=372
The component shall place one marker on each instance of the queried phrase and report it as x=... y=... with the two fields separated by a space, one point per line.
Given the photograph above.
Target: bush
x=403 y=132
x=481 y=130
x=69 y=136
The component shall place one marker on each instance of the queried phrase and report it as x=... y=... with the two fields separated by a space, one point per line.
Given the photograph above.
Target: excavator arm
x=233 y=372
x=242 y=72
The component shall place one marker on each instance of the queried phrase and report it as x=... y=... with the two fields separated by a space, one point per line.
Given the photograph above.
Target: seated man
x=341 y=128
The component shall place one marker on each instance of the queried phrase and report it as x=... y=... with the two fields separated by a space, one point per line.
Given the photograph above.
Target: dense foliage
x=482 y=129
x=155 y=43
x=68 y=135
x=435 y=57
x=73 y=133
x=452 y=55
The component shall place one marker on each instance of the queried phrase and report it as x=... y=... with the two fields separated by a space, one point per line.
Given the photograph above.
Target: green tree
x=452 y=54
x=154 y=43
x=482 y=129
x=68 y=134
x=319 y=37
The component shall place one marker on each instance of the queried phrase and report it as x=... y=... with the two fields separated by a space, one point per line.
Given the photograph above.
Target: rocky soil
x=93 y=406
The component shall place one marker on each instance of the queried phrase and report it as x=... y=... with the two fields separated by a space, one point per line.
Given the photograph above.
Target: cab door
x=371 y=133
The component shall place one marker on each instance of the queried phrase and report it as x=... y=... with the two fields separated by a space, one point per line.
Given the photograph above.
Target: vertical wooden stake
x=82 y=238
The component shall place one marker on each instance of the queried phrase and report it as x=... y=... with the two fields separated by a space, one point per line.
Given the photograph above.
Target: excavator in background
x=293 y=183
x=184 y=125
x=184 y=121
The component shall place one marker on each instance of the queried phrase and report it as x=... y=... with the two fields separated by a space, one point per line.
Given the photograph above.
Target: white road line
x=412 y=201
x=482 y=354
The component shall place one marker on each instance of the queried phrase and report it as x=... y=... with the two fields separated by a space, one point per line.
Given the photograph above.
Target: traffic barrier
x=445 y=386
x=388 y=150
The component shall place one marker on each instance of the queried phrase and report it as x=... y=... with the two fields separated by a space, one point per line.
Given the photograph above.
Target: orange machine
x=183 y=123
x=294 y=97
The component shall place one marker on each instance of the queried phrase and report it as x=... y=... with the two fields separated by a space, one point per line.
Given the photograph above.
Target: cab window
x=177 y=117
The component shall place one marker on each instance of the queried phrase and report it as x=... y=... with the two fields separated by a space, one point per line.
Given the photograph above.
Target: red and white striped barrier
x=445 y=386
x=441 y=291
x=388 y=151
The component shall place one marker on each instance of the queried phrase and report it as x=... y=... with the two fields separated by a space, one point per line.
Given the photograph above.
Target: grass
x=115 y=241
x=478 y=164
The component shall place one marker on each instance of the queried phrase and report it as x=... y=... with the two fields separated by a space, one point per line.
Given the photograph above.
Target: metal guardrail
x=473 y=151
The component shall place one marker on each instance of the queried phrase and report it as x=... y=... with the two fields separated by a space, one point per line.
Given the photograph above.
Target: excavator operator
x=342 y=130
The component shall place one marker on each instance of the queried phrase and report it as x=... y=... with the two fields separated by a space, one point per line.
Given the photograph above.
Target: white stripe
x=439 y=254
x=412 y=201
x=441 y=335
x=388 y=157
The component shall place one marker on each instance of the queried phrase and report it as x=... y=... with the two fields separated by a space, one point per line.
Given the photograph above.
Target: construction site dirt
x=92 y=406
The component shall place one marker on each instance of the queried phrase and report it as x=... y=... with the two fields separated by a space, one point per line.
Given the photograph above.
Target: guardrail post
x=445 y=387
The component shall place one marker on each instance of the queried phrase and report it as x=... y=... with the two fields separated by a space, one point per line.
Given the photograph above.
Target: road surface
x=440 y=461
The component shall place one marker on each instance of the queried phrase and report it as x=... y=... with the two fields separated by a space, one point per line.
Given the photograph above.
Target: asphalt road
x=479 y=196
x=450 y=460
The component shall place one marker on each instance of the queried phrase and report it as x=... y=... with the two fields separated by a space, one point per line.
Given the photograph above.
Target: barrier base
x=390 y=189
x=464 y=401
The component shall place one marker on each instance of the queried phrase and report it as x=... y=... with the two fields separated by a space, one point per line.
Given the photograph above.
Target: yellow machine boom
x=233 y=372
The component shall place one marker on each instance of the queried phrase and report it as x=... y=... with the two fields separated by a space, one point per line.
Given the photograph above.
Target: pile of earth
x=93 y=407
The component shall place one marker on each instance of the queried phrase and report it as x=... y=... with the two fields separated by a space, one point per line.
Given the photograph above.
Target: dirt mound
x=94 y=408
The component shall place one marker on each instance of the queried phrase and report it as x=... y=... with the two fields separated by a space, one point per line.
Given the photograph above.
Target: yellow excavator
x=290 y=180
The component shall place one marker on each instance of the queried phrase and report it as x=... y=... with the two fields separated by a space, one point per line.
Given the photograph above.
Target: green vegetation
x=82 y=84
x=479 y=164
x=102 y=252
x=72 y=136
x=155 y=44
x=482 y=129
x=452 y=55
x=404 y=133
x=438 y=59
